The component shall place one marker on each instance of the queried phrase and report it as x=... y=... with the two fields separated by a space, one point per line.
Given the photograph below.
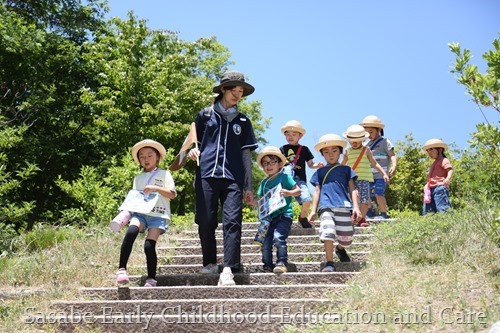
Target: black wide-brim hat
x=234 y=78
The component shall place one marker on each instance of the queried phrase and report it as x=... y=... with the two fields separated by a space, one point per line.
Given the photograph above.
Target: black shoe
x=342 y=254
x=304 y=222
x=267 y=269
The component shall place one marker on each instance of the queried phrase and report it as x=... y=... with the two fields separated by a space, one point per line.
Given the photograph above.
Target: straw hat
x=148 y=143
x=372 y=121
x=271 y=150
x=329 y=140
x=293 y=126
x=234 y=78
x=356 y=133
x=434 y=143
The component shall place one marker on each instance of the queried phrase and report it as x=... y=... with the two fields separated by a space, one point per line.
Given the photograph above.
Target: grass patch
x=438 y=273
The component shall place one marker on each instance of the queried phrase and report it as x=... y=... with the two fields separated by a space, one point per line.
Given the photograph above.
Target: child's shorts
x=379 y=185
x=150 y=222
x=336 y=224
x=363 y=187
x=304 y=196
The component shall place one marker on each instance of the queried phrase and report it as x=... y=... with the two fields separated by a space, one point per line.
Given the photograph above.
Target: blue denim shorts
x=304 y=196
x=150 y=222
x=379 y=186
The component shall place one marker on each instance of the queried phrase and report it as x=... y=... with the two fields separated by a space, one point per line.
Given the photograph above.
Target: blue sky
x=330 y=63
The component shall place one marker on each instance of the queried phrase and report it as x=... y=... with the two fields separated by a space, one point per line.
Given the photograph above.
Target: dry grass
x=400 y=292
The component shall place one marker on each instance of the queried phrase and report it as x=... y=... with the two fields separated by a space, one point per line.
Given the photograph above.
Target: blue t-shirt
x=221 y=143
x=334 y=189
x=287 y=183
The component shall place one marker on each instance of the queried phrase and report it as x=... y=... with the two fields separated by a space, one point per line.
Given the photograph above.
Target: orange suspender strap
x=359 y=159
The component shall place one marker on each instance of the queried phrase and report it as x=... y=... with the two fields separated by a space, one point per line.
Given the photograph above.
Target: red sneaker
x=363 y=223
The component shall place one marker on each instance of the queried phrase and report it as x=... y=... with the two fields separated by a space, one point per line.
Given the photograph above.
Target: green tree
x=151 y=85
x=41 y=72
x=478 y=170
x=483 y=88
x=406 y=187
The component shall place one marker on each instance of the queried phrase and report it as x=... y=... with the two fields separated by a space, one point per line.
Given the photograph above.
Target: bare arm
x=313 y=165
x=356 y=213
x=315 y=202
x=164 y=192
x=447 y=180
x=394 y=163
x=345 y=158
x=291 y=193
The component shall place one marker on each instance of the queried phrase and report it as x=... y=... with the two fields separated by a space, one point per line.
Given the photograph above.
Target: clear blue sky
x=330 y=63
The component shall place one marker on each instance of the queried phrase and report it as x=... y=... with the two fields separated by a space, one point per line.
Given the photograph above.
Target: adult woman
x=226 y=139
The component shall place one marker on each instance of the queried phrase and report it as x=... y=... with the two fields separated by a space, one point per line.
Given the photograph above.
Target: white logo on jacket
x=237 y=129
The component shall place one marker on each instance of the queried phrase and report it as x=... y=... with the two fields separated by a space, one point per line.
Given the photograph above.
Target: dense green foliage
x=77 y=91
x=78 y=94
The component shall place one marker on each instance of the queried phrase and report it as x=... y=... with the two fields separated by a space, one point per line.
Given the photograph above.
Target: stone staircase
x=187 y=301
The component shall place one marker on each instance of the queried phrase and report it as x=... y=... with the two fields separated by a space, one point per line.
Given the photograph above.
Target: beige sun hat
x=148 y=143
x=372 y=121
x=330 y=140
x=356 y=133
x=294 y=126
x=434 y=143
x=270 y=150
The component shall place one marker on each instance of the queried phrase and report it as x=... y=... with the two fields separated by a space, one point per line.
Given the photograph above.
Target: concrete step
x=176 y=306
x=315 y=290
x=211 y=321
x=248 y=240
x=246 y=278
x=296 y=225
x=187 y=301
x=302 y=247
x=255 y=267
x=257 y=257
x=293 y=232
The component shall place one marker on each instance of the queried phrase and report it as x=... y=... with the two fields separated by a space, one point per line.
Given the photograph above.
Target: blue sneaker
x=370 y=213
x=382 y=216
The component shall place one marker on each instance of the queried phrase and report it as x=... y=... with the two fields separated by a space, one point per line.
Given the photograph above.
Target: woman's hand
x=194 y=154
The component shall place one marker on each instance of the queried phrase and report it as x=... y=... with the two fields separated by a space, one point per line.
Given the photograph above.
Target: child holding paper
x=153 y=180
x=278 y=216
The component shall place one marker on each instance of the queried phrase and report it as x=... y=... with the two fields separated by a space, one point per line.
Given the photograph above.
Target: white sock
x=227 y=270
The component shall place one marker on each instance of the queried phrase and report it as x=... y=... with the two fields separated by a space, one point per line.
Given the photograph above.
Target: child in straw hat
x=335 y=188
x=298 y=156
x=439 y=179
x=148 y=154
x=360 y=159
x=383 y=151
x=279 y=221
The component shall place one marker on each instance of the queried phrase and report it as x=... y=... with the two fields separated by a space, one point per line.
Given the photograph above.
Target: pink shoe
x=150 y=283
x=122 y=277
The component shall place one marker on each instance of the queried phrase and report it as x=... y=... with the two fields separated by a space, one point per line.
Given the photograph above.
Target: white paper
x=271 y=202
x=138 y=202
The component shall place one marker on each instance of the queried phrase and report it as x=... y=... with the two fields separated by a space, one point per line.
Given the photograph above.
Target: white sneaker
x=226 y=279
x=210 y=269
x=328 y=269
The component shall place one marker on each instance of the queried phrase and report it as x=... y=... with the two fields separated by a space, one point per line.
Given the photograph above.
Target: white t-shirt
x=158 y=177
